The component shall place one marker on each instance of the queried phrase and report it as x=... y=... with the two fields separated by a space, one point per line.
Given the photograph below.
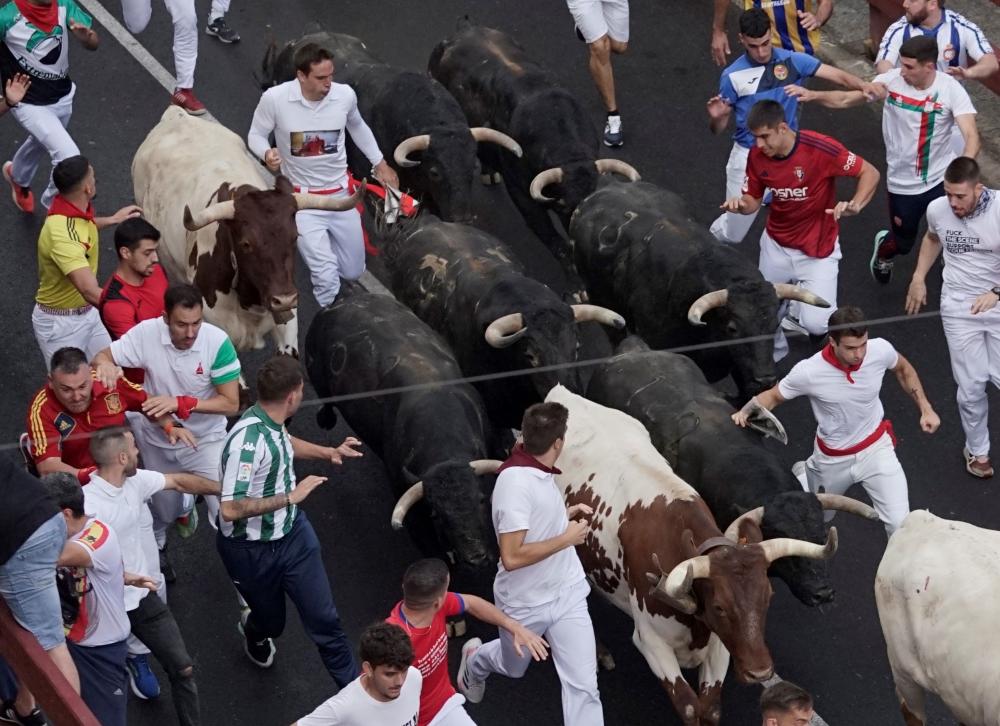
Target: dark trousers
x=103 y=680
x=154 y=624
x=905 y=213
x=264 y=572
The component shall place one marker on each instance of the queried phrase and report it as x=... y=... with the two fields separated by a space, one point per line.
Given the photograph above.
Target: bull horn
x=410 y=497
x=492 y=136
x=407 y=146
x=617 y=166
x=584 y=313
x=794 y=292
x=677 y=586
x=837 y=502
x=775 y=549
x=708 y=301
x=506 y=330
x=212 y=213
x=482 y=467
x=330 y=203
x=544 y=178
x=754 y=515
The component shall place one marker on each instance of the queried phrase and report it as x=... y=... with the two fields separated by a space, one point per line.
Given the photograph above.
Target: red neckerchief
x=43 y=17
x=830 y=357
x=520 y=457
x=68 y=209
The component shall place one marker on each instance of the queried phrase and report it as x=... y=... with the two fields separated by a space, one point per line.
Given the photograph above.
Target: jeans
x=905 y=213
x=28 y=583
x=103 y=680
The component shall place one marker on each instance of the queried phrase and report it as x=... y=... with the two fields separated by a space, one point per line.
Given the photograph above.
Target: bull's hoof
x=456 y=628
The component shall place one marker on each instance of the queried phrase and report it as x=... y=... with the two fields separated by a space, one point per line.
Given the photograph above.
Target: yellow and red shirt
x=68 y=242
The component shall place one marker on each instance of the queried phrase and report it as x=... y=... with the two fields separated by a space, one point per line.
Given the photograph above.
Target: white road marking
x=817 y=720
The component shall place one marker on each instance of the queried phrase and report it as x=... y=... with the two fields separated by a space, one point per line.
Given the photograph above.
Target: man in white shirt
x=540 y=582
x=387 y=692
x=965 y=226
x=309 y=116
x=854 y=443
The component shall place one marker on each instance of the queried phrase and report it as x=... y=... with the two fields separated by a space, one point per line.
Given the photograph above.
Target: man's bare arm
x=191 y=483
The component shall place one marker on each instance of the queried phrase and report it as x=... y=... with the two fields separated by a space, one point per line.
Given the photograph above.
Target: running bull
x=238 y=245
x=655 y=552
x=640 y=252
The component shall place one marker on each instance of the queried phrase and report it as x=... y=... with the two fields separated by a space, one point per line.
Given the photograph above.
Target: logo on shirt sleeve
x=64 y=425
x=243 y=473
x=852 y=159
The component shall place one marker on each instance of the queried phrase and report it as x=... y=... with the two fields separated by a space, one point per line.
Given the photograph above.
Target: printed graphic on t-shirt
x=959 y=241
x=314 y=143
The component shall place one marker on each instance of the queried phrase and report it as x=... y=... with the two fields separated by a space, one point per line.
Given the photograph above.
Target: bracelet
x=288 y=500
x=169 y=428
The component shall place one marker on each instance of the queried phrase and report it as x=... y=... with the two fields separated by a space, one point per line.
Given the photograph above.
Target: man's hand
x=336 y=455
x=575 y=510
x=524 y=638
x=720 y=46
x=808 y=21
x=916 y=296
x=844 y=209
x=272 y=160
x=734 y=205
x=386 y=174
x=304 y=488
x=957 y=72
x=184 y=436
x=742 y=417
x=717 y=107
x=141 y=581
x=929 y=422
x=156 y=406
x=805 y=95
x=128 y=212
x=874 y=91
x=576 y=532
x=108 y=374
x=983 y=303
x=15 y=89
x=85 y=35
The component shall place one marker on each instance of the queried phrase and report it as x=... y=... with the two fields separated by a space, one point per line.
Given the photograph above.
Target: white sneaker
x=613 y=131
x=473 y=692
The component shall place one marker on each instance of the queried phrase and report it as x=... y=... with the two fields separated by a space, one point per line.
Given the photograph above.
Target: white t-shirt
x=528 y=498
x=917 y=129
x=971 y=246
x=846 y=413
x=354 y=707
x=958 y=40
x=196 y=372
x=102 y=619
x=309 y=135
x=125 y=510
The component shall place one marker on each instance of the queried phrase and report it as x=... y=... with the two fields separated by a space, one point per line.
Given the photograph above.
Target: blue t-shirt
x=744 y=83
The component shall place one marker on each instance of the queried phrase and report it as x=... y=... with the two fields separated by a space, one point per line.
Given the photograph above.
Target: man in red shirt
x=426 y=604
x=800 y=243
x=135 y=291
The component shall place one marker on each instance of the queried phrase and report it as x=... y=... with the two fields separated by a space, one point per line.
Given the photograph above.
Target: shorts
x=597 y=18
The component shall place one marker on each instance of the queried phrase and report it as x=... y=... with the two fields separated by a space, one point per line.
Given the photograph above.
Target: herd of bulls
x=691 y=513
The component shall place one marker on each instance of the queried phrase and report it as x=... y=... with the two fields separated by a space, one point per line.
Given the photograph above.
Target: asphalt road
x=838 y=652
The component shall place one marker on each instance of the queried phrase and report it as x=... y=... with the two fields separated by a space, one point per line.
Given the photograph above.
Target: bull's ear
x=749 y=532
x=281 y=184
x=687 y=544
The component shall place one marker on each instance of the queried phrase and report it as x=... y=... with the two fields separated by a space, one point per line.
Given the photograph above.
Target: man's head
x=425 y=584
x=755 y=35
x=183 y=314
x=770 y=130
x=114 y=446
x=314 y=69
x=70 y=379
x=918 y=60
x=386 y=655
x=279 y=381
x=785 y=704
x=64 y=489
x=849 y=335
x=136 y=242
x=918 y=12
x=962 y=186
x=543 y=428
x=75 y=175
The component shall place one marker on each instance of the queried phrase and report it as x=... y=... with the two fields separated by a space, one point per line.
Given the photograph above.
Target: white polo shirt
x=846 y=412
x=352 y=706
x=309 y=135
x=211 y=361
x=102 y=619
x=125 y=510
x=971 y=246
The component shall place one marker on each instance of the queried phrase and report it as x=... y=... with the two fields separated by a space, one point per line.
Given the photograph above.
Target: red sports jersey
x=804 y=187
x=55 y=432
x=123 y=306
x=430 y=654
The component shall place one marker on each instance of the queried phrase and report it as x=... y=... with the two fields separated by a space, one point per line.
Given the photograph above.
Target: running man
x=603 y=26
x=795 y=24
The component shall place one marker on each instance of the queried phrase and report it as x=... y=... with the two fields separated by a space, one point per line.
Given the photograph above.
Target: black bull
x=689 y=424
x=640 y=253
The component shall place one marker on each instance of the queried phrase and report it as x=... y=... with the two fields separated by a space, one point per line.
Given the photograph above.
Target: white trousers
x=452 y=713
x=974 y=347
x=731 y=227
x=219 y=8
x=876 y=469
x=597 y=18
x=565 y=624
x=333 y=246
x=137 y=14
x=47 y=136
x=53 y=332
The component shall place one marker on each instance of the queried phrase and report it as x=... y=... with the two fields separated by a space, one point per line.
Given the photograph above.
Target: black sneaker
x=9 y=715
x=261 y=653
x=881 y=269
x=221 y=30
x=167 y=569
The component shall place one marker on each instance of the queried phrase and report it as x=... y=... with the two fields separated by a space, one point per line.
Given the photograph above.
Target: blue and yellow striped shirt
x=785 y=29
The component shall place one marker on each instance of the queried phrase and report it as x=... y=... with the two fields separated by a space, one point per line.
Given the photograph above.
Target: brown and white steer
x=238 y=246
x=655 y=551
x=937 y=589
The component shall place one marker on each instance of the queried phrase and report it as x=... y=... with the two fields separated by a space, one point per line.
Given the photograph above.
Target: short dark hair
x=278 y=377
x=106 y=443
x=133 y=231
x=922 y=48
x=962 y=169
x=541 y=425
x=784 y=696
x=386 y=644
x=755 y=23
x=69 y=172
x=847 y=320
x=423 y=582
x=67 y=360
x=64 y=489
x=182 y=294
x=309 y=55
x=766 y=114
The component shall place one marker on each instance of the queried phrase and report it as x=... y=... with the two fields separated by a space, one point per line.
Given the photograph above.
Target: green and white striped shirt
x=257 y=463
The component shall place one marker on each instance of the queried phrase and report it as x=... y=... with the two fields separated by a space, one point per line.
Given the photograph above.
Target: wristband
x=83 y=475
x=169 y=428
x=185 y=406
x=288 y=500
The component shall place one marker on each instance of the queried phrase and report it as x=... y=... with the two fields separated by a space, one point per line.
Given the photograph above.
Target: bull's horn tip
x=397 y=524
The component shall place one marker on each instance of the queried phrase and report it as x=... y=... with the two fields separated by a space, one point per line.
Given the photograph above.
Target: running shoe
x=881 y=269
x=22 y=196
x=185 y=98
x=613 y=131
x=220 y=29
x=473 y=692
x=979 y=469
x=141 y=678
x=260 y=653
x=187 y=524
